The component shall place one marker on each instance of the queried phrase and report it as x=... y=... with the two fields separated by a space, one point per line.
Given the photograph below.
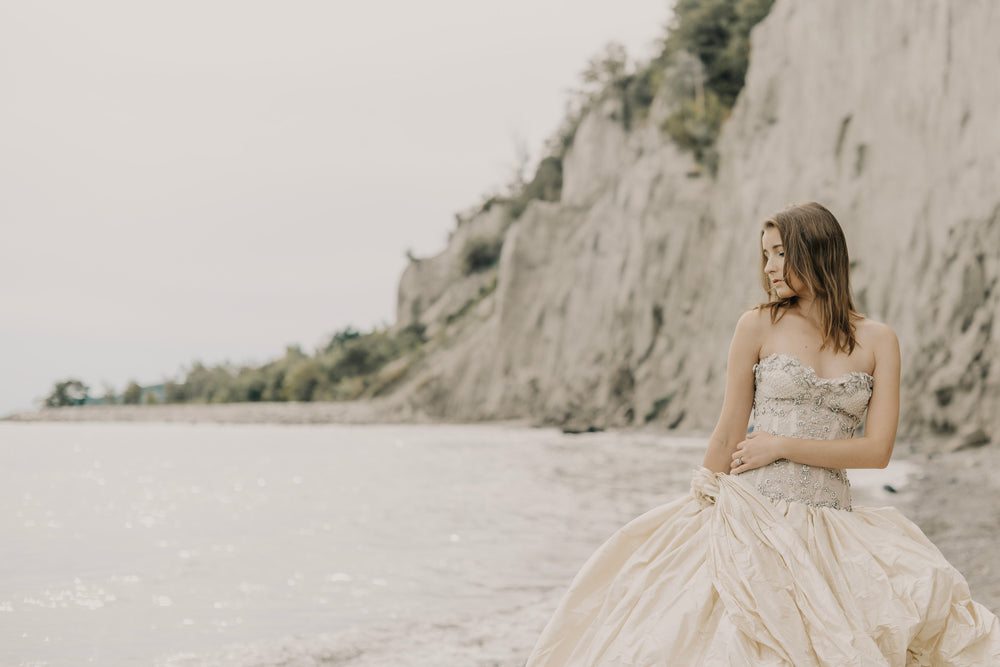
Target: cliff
x=615 y=305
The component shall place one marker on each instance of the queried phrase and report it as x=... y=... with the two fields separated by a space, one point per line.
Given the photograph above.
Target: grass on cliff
x=467 y=307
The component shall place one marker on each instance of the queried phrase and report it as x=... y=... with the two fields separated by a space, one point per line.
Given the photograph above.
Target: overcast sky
x=216 y=179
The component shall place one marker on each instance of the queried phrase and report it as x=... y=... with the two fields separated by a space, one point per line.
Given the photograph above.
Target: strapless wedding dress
x=773 y=566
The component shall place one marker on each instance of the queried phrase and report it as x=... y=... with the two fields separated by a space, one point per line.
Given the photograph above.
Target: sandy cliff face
x=615 y=305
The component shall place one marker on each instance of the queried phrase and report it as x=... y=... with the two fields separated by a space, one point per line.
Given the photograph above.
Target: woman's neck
x=805 y=304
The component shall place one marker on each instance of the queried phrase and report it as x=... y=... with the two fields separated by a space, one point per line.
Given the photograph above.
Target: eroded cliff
x=615 y=305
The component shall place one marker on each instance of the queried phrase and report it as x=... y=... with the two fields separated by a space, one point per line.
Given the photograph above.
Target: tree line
x=350 y=365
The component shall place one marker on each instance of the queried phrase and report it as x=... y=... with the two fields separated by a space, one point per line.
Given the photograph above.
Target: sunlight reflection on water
x=130 y=541
x=133 y=540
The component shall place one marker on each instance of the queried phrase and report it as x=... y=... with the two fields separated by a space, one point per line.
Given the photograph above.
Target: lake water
x=139 y=544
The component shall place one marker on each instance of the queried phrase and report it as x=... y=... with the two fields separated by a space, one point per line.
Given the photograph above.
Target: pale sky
x=215 y=179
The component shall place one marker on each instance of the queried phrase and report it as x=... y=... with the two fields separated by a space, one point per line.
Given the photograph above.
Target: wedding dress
x=773 y=566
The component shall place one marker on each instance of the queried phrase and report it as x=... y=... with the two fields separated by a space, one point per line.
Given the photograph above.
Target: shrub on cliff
x=480 y=254
x=342 y=336
x=638 y=91
x=717 y=32
x=605 y=70
x=706 y=53
x=696 y=121
x=367 y=353
x=545 y=186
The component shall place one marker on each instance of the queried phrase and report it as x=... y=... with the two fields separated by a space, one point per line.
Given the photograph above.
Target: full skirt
x=725 y=576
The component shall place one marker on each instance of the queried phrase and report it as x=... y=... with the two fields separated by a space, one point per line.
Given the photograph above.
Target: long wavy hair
x=816 y=252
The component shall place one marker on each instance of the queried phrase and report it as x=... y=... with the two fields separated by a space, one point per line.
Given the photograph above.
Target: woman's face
x=774 y=253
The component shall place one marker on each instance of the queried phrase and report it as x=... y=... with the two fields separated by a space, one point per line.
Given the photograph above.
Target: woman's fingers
x=737 y=459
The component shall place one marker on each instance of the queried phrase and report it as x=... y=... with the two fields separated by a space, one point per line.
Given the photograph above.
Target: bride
x=766 y=562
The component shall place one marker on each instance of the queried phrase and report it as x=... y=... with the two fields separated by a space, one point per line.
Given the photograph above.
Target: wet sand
x=955 y=499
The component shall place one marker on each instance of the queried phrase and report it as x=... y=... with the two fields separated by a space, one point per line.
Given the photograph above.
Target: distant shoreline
x=317 y=412
x=346 y=412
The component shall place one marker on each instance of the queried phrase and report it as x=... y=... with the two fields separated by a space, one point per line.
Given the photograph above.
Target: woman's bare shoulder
x=756 y=316
x=751 y=332
x=876 y=336
x=754 y=322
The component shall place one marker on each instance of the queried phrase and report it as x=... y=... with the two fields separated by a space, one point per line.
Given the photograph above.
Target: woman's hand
x=759 y=449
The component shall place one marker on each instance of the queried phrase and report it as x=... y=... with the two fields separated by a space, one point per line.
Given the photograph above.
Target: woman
x=766 y=562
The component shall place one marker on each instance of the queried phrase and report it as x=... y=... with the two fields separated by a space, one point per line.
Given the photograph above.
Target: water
x=130 y=543
x=138 y=544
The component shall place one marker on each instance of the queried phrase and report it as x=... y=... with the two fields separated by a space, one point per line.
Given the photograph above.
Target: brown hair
x=816 y=252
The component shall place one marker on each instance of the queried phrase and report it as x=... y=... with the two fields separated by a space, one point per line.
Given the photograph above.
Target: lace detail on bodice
x=791 y=400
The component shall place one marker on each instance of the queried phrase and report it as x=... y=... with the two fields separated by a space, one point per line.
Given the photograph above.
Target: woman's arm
x=873 y=450
x=732 y=425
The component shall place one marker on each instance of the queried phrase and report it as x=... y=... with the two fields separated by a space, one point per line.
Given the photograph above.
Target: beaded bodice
x=791 y=400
